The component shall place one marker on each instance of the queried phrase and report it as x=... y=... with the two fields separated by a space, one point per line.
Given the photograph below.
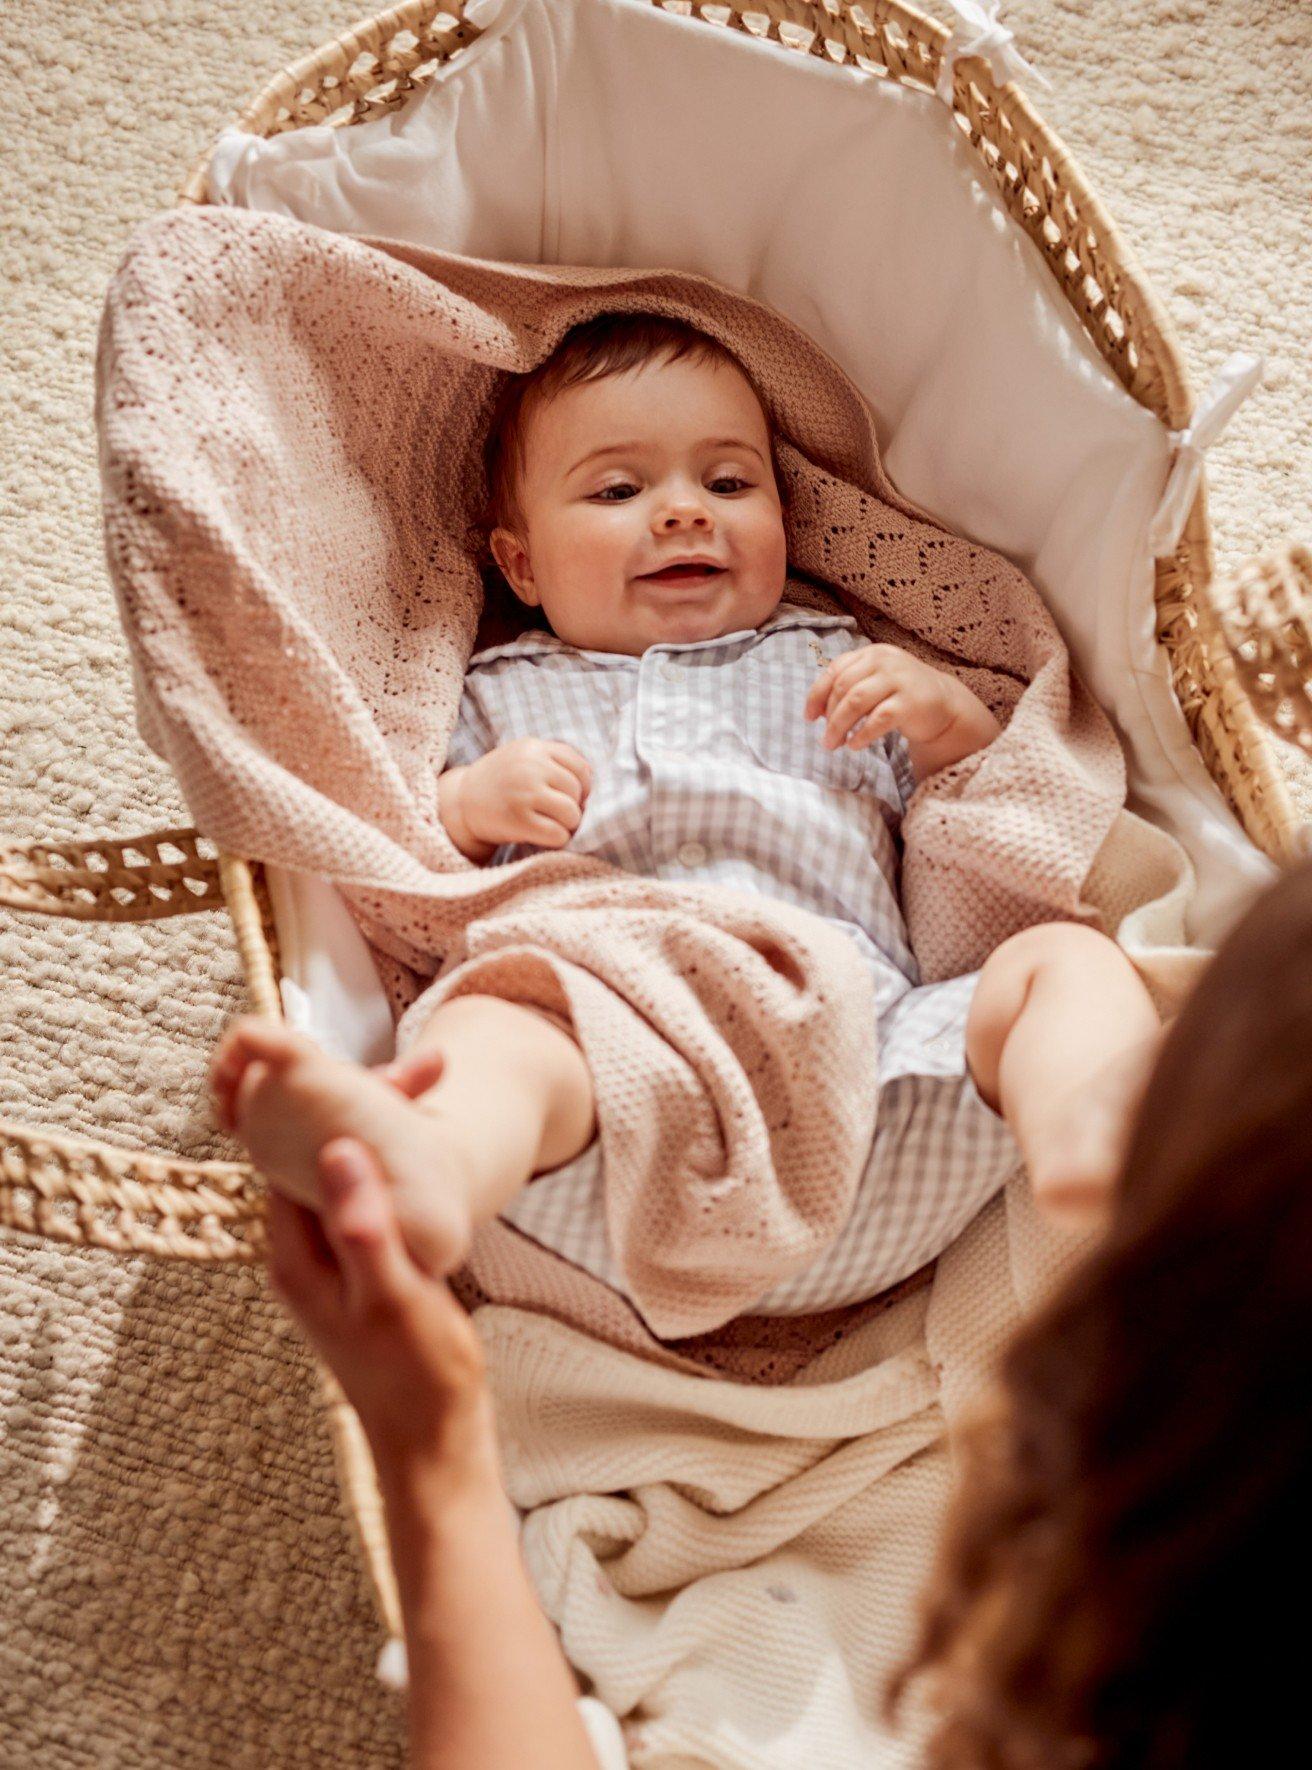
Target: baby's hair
x=607 y=344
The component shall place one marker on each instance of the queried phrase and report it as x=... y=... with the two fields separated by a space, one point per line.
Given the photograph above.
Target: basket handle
x=1264 y=611
x=113 y=879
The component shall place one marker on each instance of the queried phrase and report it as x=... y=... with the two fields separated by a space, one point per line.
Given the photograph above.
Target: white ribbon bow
x=483 y=12
x=977 y=32
x=1230 y=387
x=391 y=1668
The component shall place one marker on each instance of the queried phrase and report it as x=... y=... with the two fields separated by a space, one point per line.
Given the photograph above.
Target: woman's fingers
x=414 y=1073
x=403 y=1350
x=361 y=1227
x=336 y=1267
x=303 y=1269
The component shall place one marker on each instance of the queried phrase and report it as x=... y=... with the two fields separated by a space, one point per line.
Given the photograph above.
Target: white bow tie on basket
x=977 y=32
x=1238 y=375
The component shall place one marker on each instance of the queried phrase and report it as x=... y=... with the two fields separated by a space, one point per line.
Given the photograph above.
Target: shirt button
x=690 y=854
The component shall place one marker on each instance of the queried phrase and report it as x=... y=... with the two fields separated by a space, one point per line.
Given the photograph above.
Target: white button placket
x=653 y=672
x=659 y=714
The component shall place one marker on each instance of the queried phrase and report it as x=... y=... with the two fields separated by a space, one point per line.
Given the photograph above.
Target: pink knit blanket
x=290 y=427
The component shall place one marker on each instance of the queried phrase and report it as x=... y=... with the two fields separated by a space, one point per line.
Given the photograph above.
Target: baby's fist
x=527 y=790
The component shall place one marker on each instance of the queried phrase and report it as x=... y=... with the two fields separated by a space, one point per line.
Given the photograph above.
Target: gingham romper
x=704 y=767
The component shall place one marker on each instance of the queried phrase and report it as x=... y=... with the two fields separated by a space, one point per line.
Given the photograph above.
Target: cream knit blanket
x=734 y=1570
x=290 y=424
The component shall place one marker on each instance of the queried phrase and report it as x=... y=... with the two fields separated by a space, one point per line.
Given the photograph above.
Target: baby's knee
x=1024 y=960
x=1051 y=944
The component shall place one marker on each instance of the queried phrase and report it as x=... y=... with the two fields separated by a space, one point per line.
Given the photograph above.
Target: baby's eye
x=731 y=479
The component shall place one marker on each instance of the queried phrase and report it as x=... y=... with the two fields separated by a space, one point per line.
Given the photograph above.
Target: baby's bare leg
x=515 y=1094
x=514 y=1097
x=1061 y=1037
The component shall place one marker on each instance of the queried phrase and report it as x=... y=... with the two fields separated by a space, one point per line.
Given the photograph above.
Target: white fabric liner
x=610 y=132
x=550 y=140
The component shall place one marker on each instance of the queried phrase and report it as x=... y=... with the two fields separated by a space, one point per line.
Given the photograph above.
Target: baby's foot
x=286 y=1097
x=1076 y=1171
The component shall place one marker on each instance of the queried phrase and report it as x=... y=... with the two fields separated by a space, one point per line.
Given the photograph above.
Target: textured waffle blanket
x=290 y=427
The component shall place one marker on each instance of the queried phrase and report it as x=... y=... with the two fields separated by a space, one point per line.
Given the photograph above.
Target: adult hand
x=402 y=1348
x=407 y=1358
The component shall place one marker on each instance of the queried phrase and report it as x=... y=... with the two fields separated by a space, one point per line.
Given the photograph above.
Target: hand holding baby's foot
x=402 y=1348
x=286 y=1097
x=1076 y=1171
x=411 y=1075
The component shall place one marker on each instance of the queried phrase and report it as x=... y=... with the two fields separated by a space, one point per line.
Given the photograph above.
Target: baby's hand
x=884 y=688
x=528 y=790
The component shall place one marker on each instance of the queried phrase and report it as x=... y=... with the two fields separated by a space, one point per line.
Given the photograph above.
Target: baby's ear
x=511 y=555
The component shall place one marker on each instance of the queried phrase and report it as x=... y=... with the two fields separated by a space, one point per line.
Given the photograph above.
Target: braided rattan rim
x=73 y=1189
x=86 y=1193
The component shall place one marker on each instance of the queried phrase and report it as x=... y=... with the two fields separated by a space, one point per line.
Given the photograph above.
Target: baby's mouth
x=683 y=574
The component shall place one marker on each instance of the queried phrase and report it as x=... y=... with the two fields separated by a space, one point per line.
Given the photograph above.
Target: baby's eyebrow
x=637 y=448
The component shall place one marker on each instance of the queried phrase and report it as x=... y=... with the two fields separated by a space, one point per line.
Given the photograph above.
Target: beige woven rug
x=178 y=1585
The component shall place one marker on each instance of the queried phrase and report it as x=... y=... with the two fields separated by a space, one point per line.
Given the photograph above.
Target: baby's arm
x=527 y=790
x=886 y=688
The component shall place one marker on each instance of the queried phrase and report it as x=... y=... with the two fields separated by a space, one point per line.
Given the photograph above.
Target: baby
x=661 y=715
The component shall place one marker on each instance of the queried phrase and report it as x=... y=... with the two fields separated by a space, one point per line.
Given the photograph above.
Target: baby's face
x=686 y=471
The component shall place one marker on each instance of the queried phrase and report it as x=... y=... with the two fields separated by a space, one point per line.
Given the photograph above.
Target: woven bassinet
x=1240 y=653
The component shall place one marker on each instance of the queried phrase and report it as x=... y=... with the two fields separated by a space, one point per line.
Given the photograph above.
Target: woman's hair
x=1137 y=1504
x=607 y=344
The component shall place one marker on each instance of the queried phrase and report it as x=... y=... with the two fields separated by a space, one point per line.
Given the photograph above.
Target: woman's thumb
x=358 y=1218
x=413 y=1074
